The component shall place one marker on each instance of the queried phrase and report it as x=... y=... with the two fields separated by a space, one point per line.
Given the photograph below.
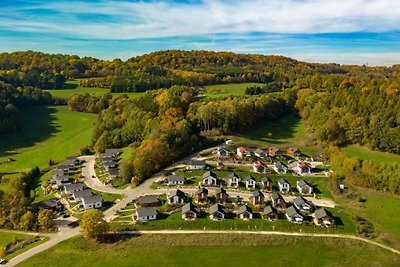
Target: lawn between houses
x=213 y=250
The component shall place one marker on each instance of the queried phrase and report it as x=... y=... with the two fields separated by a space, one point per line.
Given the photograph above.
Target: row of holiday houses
x=83 y=195
x=233 y=180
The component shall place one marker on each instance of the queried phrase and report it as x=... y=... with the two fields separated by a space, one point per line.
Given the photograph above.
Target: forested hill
x=164 y=69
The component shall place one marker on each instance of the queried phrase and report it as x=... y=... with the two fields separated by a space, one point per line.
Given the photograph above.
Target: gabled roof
x=114 y=172
x=61 y=178
x=201 y=190
x=146 y=212
x=259 y=163
x=197 y=162
x=241 y=149
x=258 y=193
x=148 y=199
x=268 y=210
x=73 y=187
x=243 y=209
x=48 y=204
x=275 y=149
x=233 y=175
x=249 y=177
x=265 y=179
x=291 y=211
x=220 y=190
x=111 y=151
x=293 y=149
x=190 y=207
x=302 y=183
x=92 y=199
x=176 y=178
x=276 y=196
x=321 y=213
x=283 y=181
x=72 y=158
x=178 y=193
x=278 y=164
x=300 y=201
x=209 y=173
x=259 y=151
x=302 y=164
x=82 y=193
x=217 y=207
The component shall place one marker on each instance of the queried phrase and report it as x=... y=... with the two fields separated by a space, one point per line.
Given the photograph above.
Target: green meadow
x=365 y=153
x=224 y=90
x=6 y=238
x=214 y=250
x=72 y=88
x=45 y=133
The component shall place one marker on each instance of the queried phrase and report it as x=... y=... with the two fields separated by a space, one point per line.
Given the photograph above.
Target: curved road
x=131 y=194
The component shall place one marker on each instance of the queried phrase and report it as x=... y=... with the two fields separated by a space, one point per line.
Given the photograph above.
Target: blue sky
x=342 y=31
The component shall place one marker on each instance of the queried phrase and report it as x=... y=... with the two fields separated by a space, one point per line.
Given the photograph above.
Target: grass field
x=72 y=87
x=223 y=90
x=214 y=250
x=283 y=133
x=46 y=133
x=6 y=238
x=365 y=153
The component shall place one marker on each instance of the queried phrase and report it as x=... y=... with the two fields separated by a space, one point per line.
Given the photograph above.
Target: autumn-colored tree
x=92 y=224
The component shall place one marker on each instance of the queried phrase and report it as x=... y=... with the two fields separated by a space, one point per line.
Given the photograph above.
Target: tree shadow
x=70 y=86
x=35 y=124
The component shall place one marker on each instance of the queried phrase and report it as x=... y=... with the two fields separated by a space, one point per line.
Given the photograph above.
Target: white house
x=77 y=195
x=259 y=167
x=283 y=185
x=302 y=168
x=304 y=188
x=279 y=167
x=293 y=215
x=250 y=182
x=196 y=165
x=260 y=153
x=229 y=142
x=222 y=152
x=303 y=204
x=217 y=212
x=176 y=197
x=70 y=188
x=145 y=214
x=190 y=211
x=93 y=201
x=176 y=180
x=233 y=180
x=241 y=151
x=245 y=213
x=209 y=178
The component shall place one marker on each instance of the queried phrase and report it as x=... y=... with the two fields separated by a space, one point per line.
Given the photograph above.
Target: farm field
x=224 y=90
x=46 y=133
x=72 y=87
x=283 y=133
x=213 y=250
x=365 y=153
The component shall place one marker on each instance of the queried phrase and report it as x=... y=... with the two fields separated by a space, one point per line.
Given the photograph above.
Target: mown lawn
x=45 y=133
x=224 y=90
x=365 y=153
x=214 y=250
x=7 y=238
x=285 y=132
x=72 y=87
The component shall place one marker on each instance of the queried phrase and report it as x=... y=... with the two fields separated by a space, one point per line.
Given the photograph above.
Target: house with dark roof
x=196 y=165
x=302 y=168
x=109 y=165
x=260 y=153
x=250 y=182
x=316 y=158
x=233 y=180
x=266 y=184
x=63 y=168
x=113 y=174
x=61 y=180
x=201 y=195
x=176 y=197
x=245 y=213
x=144 y=214
x=304 y=188
x=279 y=167
x=283 y=185
x=278 y=201
x=269 y=213
x=274 y=152
x=257 y=198
x=176 y=180
x=221 y=196
x=259 y=167
x=222 y=152
x=110 y=153
x=323 y=218
x=70 y=188
x=303 y=204
x=148 y=201
x=92 y=202
x=77 y=195
x=209 y=178
x=293 y=215
x=190 y=211
x=52 y=204
x=293 y=152
x=217 y=212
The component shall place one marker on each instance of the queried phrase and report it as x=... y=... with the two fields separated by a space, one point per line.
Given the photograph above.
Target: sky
x=340 y=31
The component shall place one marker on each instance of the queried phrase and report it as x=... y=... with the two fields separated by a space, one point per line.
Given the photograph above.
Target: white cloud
x=132 y=20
